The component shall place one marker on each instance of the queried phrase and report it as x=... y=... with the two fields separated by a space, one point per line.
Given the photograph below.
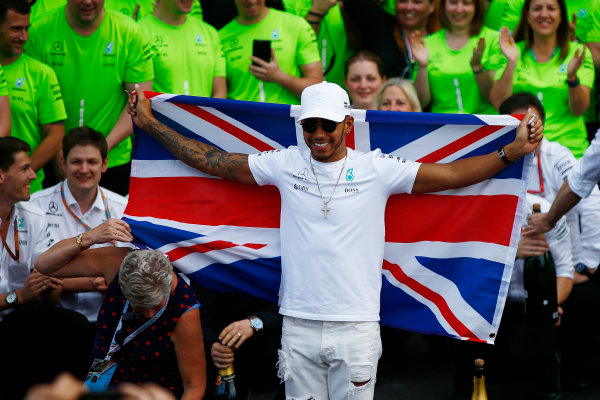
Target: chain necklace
x=326 y=208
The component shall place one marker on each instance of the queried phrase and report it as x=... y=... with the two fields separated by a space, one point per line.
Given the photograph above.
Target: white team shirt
x=331 y=267
x=556 y=163
x=34 y=238
x=586 y=174
x=62 y=225
x=560 y=247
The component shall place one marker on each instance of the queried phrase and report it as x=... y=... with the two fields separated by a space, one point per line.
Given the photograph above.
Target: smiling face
x=85 y=12
x=251 y=11
x=328 y=147
x=14 y=32
x=394 y=98
x=84 y=167
x=362 y=82
x=544 y=17
x=413 y=14
x=460 y=13
x=16 y=180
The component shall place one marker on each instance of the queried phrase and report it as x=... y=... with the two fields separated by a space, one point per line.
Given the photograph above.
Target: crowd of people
x=72 y=76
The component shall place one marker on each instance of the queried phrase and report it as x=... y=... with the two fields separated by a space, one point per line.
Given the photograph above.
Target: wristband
x=573 y=84
x=316 y=14
x=502 y=156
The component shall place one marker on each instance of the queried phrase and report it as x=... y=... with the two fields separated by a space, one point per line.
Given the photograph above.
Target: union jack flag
x=448 y=255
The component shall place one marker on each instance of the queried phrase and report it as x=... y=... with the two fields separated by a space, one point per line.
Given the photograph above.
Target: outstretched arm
x=460 y=173
x=563 y=202
x=204 y=157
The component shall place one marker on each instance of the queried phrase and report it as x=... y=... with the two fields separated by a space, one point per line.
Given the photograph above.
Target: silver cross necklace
x=326 y=208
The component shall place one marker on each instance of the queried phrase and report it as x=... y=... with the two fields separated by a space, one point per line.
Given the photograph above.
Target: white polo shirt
x=586 y=174
x=34 y=238
x=62 y=225
x=331 y=267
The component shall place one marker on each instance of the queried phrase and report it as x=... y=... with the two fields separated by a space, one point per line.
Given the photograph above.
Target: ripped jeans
x=329 y=360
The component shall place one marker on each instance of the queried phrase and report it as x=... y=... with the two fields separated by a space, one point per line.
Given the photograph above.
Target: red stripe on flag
x=181 y=252
x=460 y=144
x=227 y=127
x=409 y=218
x=432 y=296
x=350 y=142
x=205 y=201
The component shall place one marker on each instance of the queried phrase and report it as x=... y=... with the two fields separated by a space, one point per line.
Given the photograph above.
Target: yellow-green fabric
x=127 y=7
x=548 y=81
x=92 y=70
x=293 y=42
x=41 y=7
x=35 y=100
x=332 y=40
x=503 y=13
x=451 y=78
x=186 y=57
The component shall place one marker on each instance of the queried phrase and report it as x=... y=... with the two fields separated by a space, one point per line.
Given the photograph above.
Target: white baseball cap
x=324 y=100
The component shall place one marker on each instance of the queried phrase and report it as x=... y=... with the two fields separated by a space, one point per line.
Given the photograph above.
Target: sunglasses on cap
x=310 y=125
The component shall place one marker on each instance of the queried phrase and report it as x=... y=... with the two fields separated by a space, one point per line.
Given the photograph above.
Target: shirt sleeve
x=265 y=166
x=307 y=48
x=560 y=248
x=586 y=173
x=50 y=104
x=398 y=173
x=139 y=57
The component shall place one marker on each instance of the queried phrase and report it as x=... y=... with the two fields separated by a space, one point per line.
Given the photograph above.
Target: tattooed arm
x=206 y=158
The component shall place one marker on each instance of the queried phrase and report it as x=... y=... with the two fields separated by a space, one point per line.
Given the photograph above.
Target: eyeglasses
x=310 y=125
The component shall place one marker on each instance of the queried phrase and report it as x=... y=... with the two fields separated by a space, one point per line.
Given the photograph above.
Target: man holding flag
x=332 y=238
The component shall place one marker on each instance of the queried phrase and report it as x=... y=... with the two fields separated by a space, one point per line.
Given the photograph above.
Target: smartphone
x=261 y=49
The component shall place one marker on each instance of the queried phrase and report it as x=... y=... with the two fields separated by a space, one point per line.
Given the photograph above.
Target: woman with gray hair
x=149 y=323
x=398 y=94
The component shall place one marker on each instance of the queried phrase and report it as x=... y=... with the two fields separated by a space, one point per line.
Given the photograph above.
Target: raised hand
x=574 y=65
x=477 y=55
x=508 y=46
x=419 y=49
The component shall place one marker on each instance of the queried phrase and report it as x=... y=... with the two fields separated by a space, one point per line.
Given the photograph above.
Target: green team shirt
x=451 y=78
x=3 y=89
x=548 y=82
x=292 y=40
x=41 y=7
x=35 y=100
x=92 y=70
x=503 y=13
x=332 y=40
x=186 y=57
x=127 y=7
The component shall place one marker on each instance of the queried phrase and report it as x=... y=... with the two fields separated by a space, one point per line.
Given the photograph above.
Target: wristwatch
x=583 y=269
x=12 y=299
x=256 y=323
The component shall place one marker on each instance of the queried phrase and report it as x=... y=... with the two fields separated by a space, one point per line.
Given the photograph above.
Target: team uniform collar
x=98 y=203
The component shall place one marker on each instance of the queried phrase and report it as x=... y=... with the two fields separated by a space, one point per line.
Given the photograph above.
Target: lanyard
x=114 y=347
x=15 y=255
x=86 y=226
x=540 y=176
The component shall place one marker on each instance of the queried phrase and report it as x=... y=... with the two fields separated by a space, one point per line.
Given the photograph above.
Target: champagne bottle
x=225 y=384
x=479 y=392
x=539 y=276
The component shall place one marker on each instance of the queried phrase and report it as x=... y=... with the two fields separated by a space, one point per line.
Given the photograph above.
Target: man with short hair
x=332 y=238
x=78 y=204
x=187 y=54
x=96 y=53
x=23 y=230
x=37 y=108
x=294 y=59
